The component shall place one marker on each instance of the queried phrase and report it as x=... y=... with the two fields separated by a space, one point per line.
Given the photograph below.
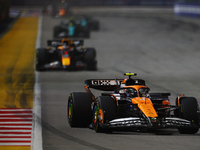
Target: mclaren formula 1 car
x=130 y=105
x=65 y=54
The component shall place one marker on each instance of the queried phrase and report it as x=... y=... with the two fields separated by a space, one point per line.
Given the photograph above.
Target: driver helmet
x=143 y=92
x=65 y=47
x=131 y=92
x=71 y=18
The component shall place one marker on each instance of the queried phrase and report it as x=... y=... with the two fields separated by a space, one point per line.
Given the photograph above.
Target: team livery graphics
x=130 y=104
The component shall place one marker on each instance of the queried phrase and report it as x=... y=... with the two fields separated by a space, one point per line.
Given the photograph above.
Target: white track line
x=37 y=125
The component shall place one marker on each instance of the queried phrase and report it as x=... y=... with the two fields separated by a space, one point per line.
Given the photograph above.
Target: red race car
x=67 y=55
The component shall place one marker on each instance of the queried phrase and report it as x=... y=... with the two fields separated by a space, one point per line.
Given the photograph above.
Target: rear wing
x=56 y=43
x=111 y=84
x=104 y=84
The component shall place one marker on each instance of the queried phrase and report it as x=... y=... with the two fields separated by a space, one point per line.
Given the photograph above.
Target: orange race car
x=66 y=54
x=130 y=105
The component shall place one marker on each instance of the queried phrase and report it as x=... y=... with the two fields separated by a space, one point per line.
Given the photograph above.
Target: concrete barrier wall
x=95 y=2
x=121 y=2
x=181 y=7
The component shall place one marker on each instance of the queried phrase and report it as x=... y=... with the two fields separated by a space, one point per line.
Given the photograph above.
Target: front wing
x=169 y=122
x=57 y=65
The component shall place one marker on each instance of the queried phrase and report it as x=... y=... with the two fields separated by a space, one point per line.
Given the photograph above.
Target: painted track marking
x=15 y=127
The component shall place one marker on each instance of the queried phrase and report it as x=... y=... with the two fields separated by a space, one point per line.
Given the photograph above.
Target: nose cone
x=154 y=121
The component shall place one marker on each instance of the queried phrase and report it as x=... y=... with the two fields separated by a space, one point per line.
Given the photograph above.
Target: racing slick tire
x=188 y=111
x=104 y=110
x=41 y=59
x=79 y=109
x=94 y=26
x=83 y=32
x=87 y=33
x=91 y=59
x=56 y=31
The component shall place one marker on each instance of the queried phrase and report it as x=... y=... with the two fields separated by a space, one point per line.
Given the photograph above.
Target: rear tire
x=87 y=33
x=108 y=107
x=56 y=31
x=41 y=58
x=79 y=109
x=188 y=111
x=91 y=59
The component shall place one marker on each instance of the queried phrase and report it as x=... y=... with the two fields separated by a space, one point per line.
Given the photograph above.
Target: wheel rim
x=70 y=108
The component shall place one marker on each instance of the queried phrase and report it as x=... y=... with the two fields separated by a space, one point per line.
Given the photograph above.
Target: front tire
x=56 y=31
x=79 y=109
x=188 y=111
x=104 y=111
x=91 y=59
x=41 y=58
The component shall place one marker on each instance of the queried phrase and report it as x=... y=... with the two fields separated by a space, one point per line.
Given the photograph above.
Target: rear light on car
x=65 y=53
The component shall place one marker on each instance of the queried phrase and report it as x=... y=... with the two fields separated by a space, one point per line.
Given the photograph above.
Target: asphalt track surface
x=161 y=48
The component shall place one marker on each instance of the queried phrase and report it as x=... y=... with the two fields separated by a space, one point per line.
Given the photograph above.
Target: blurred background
x=104 y=2
x=181 y=7
x=98 y=2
